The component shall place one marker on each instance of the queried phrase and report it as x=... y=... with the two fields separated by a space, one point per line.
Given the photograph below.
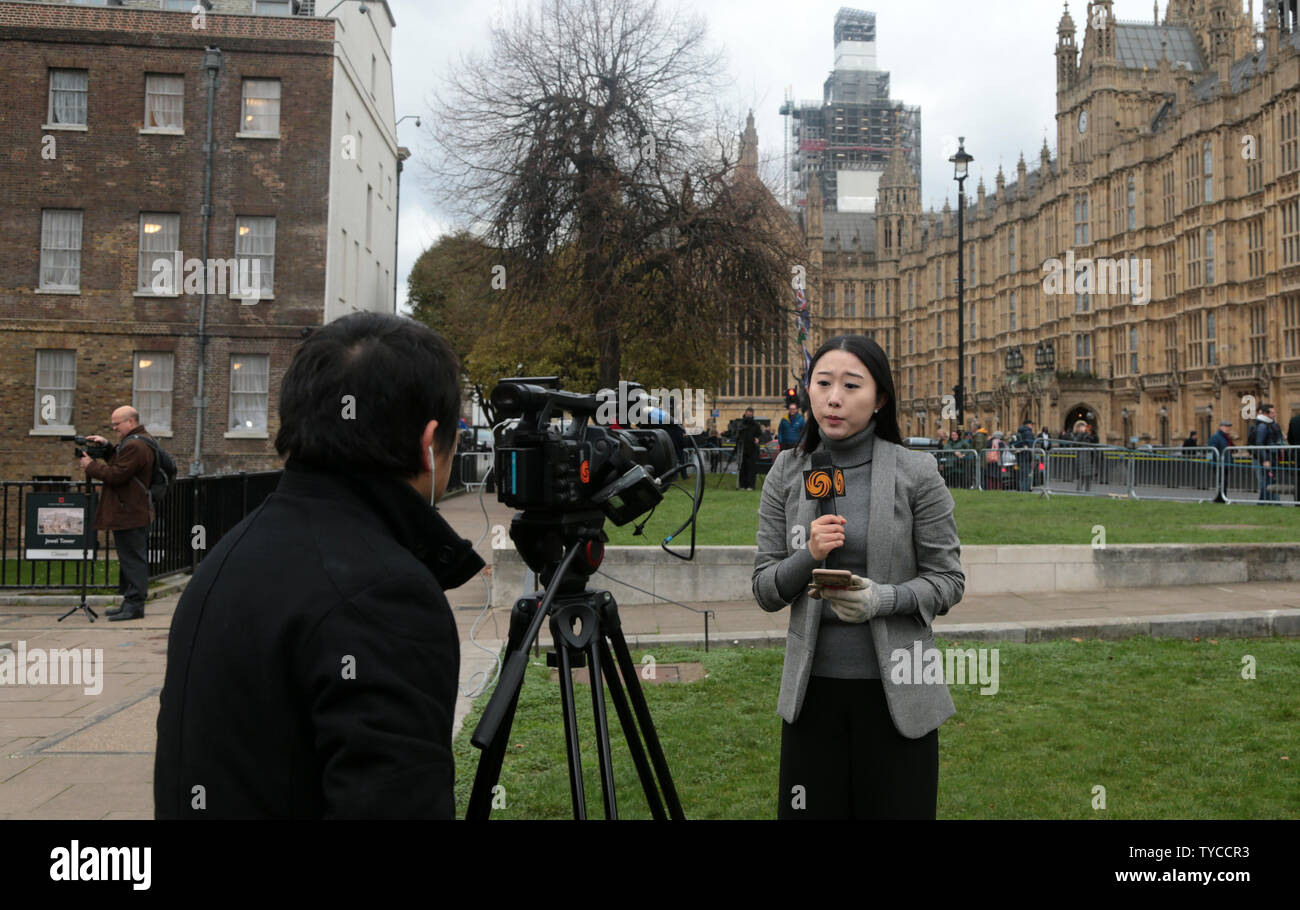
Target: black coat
x=333 y=576
x=1293 y=431
x=748 y=434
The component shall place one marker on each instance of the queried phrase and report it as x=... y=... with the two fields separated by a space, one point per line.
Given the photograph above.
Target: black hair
x=360 y=391
x=874 y=359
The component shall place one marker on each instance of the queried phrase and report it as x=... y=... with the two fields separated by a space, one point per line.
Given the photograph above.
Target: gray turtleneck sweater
x=845 y=650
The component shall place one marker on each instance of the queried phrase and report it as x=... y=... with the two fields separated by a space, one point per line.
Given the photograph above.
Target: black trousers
x=133 y=565
x=843 y=758
x=748 y=472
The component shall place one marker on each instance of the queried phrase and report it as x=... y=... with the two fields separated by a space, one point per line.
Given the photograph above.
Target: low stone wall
x=725 y=573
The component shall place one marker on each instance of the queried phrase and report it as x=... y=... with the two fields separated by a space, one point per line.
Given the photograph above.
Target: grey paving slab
x=17 y=798
x=95 y=800
x=132 y=728
x=12 y=767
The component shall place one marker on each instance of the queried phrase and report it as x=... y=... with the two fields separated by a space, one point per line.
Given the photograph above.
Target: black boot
x=135 y=611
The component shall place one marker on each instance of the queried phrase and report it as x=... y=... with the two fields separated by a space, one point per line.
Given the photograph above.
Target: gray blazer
x=911 y=542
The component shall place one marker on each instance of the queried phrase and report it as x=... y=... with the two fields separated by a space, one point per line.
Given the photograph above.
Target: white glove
x=856 y=603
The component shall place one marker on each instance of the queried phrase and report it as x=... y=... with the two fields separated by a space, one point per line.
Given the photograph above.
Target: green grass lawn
x=1169 y=728
x=102 y=580
x=62 y=572
x=730 y=517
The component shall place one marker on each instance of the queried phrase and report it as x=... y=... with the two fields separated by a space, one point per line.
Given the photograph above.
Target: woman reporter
x=859 y=737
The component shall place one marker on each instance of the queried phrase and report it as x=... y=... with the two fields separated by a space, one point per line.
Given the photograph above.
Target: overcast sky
x=983 y=69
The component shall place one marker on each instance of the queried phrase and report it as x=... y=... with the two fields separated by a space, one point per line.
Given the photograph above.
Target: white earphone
x=433 y=468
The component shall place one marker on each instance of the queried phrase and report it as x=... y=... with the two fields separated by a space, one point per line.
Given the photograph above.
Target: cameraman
x=124 y=507
x=313 y=659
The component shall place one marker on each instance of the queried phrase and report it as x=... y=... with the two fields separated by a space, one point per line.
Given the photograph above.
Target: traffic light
x=791 y=396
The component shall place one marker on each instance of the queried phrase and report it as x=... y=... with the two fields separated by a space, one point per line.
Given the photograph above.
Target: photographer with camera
x=124 y=506
x=313 y=660
x=749 y=436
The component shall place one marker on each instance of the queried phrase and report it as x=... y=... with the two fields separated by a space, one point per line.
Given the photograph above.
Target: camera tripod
x=586 y=630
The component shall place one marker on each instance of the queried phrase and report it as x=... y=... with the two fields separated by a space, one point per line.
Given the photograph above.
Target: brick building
x=108 y=292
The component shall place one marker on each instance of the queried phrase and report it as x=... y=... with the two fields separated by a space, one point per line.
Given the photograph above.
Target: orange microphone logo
x=839 y=482
x=584 y=472
x=817 y=483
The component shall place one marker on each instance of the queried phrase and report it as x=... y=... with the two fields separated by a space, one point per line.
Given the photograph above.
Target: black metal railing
x=196 y=513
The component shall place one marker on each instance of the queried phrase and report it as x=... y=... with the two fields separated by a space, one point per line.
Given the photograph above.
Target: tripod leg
x=614 y=630
x=595 y=666
x=633 y=736
x=570 y=727
x=489 y=764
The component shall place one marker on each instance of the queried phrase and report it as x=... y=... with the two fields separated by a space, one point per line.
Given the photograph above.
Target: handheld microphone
x=823 y=483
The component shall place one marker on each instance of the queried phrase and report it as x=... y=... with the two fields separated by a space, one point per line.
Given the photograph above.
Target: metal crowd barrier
x=1086 y=469
x=473 y=469
x=1191 y=474
x=1174 y=472
x=1018 y=469
x=1245 y=478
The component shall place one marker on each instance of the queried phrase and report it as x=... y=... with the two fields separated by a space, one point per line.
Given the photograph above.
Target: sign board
x=58 y=526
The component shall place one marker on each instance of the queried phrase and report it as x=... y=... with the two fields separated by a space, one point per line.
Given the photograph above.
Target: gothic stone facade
x=1177 y=146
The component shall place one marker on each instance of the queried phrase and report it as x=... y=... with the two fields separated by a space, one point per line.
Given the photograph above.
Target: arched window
x=1209 y=256
x=1132 y=203
x=1208 y=169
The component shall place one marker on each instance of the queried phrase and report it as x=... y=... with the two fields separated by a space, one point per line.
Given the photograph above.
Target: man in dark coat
x=313 y=660
x=1025 y=434
x=1025 y=456
x=1293 y=439
x=748 y=436
x=1266 y=432
x=1221 y=440
x=1222 y=437
x=123 y=507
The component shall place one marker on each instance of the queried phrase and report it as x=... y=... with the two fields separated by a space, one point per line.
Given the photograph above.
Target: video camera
x=542 y=465
x=86 y=447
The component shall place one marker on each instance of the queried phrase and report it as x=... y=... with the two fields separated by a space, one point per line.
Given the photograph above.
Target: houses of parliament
x=1177 y=145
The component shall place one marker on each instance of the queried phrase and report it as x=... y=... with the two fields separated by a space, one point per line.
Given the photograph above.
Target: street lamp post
x=1015 y=363
x=397 y=203
x=960 y=166
x=1045 y=361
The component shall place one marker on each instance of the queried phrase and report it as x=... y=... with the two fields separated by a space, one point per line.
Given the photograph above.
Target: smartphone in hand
x=832 y=578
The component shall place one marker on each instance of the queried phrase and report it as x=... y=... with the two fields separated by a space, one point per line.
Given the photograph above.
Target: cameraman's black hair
x=874 y=359
x=402 y=375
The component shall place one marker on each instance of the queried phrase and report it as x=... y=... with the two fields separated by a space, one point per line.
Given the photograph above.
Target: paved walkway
x=67 y=753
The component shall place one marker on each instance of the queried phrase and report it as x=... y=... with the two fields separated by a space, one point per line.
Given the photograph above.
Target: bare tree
x=586 y=148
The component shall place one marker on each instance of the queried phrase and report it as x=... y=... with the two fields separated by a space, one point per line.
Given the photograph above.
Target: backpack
x=164 y=470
